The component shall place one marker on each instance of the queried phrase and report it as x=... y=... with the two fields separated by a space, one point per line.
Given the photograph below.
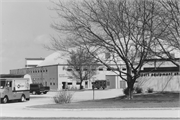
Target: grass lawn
x=154 y=100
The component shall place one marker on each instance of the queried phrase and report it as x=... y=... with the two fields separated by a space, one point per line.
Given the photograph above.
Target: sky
x=25 y=27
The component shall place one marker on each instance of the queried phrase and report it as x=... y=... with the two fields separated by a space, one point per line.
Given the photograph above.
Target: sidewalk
x=96 y=113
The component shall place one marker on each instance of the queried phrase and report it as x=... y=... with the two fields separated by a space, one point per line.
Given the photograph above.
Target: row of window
x=100 y=69
x=38 y=71
x=52 y=83
x=42 y=78
x=159 y=74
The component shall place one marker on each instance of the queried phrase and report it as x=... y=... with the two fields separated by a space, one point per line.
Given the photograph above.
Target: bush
x=73 y=88
x=150 y=90
x=138 y=90
x=126 y=91
x=63 y=96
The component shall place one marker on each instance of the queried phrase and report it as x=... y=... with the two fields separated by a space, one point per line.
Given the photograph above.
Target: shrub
x=138 y=90
x=63 y=96
x=73 y=88
x=150 y=90
x=126 y=91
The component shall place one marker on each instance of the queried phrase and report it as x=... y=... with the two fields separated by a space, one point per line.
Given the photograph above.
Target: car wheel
x=23 y=98
x=5 y=99
x=39 y=93
x=44 y=92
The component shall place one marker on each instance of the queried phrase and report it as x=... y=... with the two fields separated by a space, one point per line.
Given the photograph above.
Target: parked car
x=100 y=84
x=38 y=88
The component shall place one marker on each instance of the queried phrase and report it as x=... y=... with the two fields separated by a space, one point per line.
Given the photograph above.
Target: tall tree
x=82 y=65
x=166 y=44
x=125 y=29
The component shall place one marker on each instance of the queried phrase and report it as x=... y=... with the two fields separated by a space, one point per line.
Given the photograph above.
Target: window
x=50 y=83
x=85 y=69
x=123 y=69
x=69 y=69
x=77 y=69
x=70 y=83
x=53 y=83
x=108 y=69
x=78 y=83
x=86 y=83
x=9 y=84
x=122 y=84
x=100 y=69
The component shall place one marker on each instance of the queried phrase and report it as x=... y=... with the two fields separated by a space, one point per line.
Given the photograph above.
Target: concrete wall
x=166 y=82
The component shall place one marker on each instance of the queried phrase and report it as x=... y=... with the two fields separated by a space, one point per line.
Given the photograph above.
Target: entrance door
x=63 y=85
x=86 y=84
x=112 y=81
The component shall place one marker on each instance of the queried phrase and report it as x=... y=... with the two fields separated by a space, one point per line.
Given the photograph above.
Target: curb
x=100 y=109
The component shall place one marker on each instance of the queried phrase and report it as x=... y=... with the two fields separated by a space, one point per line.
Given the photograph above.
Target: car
x=36 y=88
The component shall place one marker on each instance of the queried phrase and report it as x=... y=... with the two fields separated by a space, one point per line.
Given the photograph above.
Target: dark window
x=69 y=69
x=70 y=83
x=85 y=69
x=53 y=83
x=123 y=69
x=78 y=83
x=86 y=83
x=100 y=69
x=9 y=83
x=108 y=69
x=50 y=83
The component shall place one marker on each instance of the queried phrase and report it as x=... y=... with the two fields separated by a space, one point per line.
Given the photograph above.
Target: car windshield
x=2 y=84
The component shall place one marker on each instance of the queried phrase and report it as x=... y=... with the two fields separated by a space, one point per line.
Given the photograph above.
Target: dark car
x=100 y=84
x=38 y=89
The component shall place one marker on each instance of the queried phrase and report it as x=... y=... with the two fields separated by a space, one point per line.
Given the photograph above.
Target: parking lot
x=19 y=109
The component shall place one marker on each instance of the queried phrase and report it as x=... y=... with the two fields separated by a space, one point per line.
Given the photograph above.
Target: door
x=9 y=90
x=86 y=84
x=112 y=81
x=63 y=85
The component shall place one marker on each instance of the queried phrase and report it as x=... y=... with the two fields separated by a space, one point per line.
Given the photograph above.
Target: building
x=33 y=62
x=53 y=72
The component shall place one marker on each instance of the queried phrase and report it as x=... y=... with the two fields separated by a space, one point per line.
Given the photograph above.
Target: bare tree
x=172 y=10
x=168 y=42
x=125 y=29
x=82 y=65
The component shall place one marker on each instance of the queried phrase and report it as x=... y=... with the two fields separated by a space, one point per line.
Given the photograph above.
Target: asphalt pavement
x=21 y=109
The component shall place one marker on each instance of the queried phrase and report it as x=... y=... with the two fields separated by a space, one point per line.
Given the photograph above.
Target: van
x=14 y=89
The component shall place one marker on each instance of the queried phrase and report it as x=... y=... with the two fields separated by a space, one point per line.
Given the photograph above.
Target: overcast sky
x=25 y=27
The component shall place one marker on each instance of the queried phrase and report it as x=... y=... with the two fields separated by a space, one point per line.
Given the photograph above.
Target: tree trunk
x=130 y=89
x=81 y=87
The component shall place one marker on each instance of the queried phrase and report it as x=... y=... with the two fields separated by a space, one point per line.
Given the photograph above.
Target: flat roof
x=35 y=58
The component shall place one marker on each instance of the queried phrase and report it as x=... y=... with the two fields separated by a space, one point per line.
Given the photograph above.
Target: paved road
x=87 y=119
x=19 y=109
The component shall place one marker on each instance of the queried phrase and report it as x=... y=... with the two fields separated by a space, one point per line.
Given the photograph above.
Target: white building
x=53 y=72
